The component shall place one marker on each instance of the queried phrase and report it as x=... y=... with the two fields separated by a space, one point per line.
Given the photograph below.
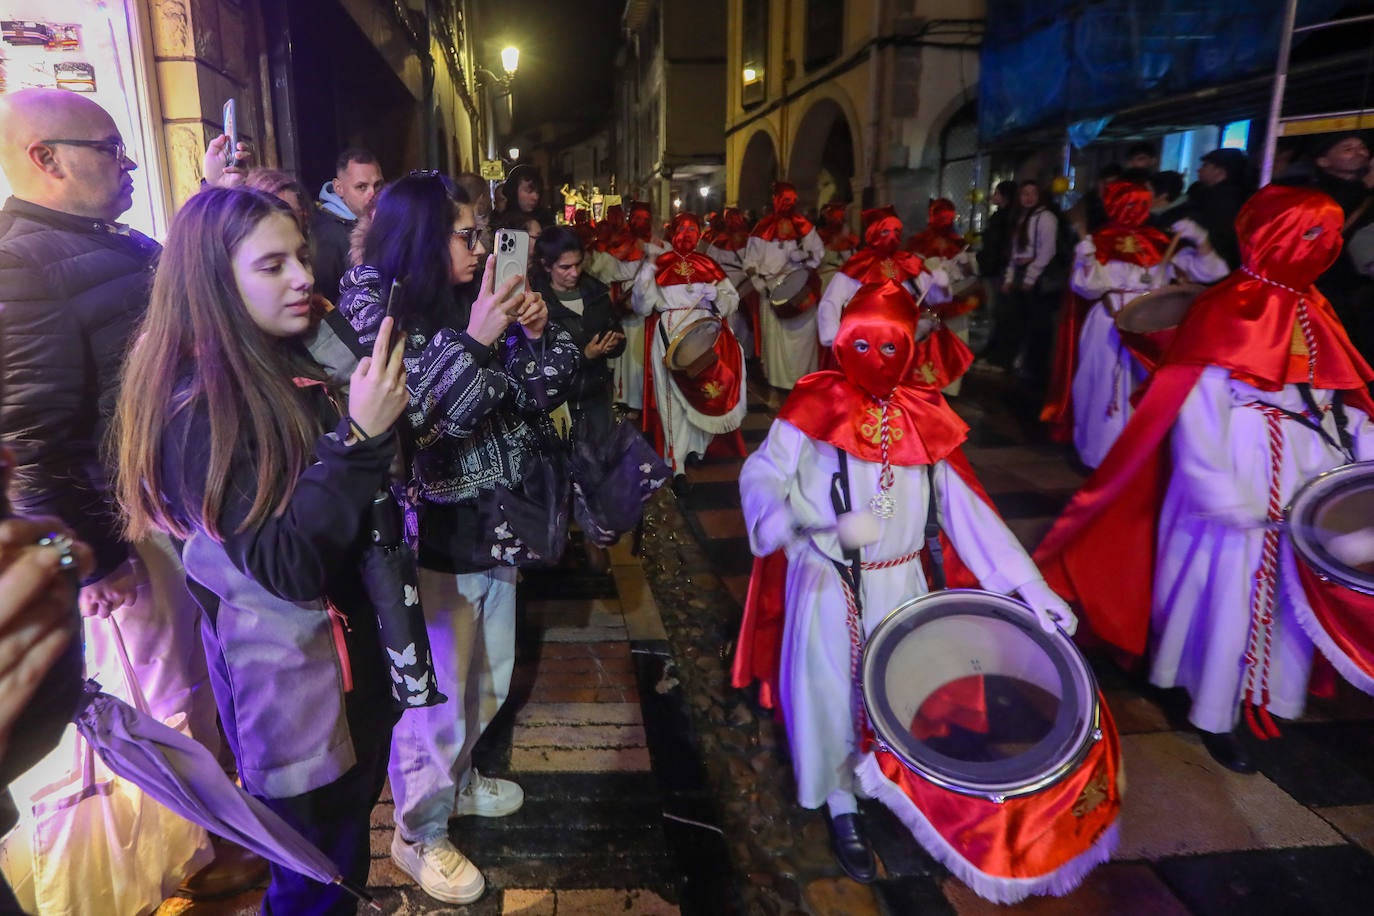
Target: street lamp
x=510 y=60
x=677 y=203
x=514 y=152
x=498 y=87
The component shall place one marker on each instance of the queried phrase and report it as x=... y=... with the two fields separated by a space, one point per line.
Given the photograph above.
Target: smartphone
x=231 y=130
x=512 y=257
x=395 y=304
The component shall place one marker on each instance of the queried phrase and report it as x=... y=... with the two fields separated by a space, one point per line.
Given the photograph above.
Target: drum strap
x=1346 y=443
x=937 y=553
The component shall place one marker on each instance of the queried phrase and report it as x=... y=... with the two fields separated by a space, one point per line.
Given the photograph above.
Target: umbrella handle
x=361 y=895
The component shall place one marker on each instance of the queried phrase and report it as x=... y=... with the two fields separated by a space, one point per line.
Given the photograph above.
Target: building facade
x=867 y=101
x=670 y=104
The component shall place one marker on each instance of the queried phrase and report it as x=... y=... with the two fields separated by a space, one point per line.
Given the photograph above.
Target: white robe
x=1210 y=539
x=627 y=370
x=784 y=486
x=789 y=344
x=1107 y=373
x=842 y=288
x=686 y=430
x=732 y=262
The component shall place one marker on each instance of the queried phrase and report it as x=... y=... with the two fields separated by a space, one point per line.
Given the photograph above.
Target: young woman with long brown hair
x=229 y=438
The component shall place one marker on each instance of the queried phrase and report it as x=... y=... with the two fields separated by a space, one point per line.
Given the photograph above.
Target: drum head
x=1331 y=521
x=1158 y=310
x=788 y=287
x=692 y=341
x=966 y=690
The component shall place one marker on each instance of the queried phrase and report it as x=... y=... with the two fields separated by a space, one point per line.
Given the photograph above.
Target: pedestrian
x=274 y=532
x=818 y=444
x=1222 y=187
x=344 y=199
x=780 y=245
x=993 y=258
x=1260 y=391
x=74 y=284
x=523 y=189
x=1033 y=287
x=483 y=367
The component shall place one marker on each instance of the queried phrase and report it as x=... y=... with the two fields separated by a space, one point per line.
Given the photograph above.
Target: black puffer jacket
x=597 y=317
x=73 y=290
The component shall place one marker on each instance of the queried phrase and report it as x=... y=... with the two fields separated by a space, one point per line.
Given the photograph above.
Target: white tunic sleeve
x=646 y=296
x=815 y=249
x=837 y=295
x=753 y=254
x=766 y=482
x=985 y=544
x=1203 y=268
x=1090 y=278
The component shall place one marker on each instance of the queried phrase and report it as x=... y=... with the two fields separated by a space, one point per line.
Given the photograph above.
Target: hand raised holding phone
x=377 y=391
x=494 y=310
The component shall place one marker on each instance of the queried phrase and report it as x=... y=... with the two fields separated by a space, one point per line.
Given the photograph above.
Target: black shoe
x=850 y=845
x=1227 y=750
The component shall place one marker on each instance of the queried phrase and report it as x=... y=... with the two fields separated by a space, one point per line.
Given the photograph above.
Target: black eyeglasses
x=470 y=236
x=115 y=149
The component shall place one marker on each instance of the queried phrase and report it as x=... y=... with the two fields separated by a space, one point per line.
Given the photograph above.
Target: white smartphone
x=231 y=130
x=512 y=257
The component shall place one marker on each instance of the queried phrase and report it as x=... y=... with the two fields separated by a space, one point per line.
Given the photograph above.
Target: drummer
x=942 y=358
x=1120 y=261
x=941 y=247
x=784 y=242
x=1260 y=391
x=726 y=248
x=847 y=465
x=625 y=253
x=683 y=413
x=839 y=242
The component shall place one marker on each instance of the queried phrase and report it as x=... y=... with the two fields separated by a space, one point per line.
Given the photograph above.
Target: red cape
x=936 y=243
x=1058 y=410
x=674 y=269
x=873 y=266
x=773 y=228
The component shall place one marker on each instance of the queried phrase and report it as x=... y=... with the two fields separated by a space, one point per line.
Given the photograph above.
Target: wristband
x=349 y=429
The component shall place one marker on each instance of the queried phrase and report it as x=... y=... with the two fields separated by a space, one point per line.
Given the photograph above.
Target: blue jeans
x=471 y=623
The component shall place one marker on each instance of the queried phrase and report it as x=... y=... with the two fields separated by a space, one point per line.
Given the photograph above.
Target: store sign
x=493 y=170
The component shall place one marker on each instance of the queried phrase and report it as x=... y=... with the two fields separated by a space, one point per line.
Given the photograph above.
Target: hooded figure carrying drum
x=1260 y=391
x=694 y=383
x=845 y=477
x=1120 y=261
x=783 y=253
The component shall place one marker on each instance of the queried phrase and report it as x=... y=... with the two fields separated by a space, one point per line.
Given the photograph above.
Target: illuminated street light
x=750 y=74
x=510 y=59
x=704 y=191
x=514 y=152
x=677 y=203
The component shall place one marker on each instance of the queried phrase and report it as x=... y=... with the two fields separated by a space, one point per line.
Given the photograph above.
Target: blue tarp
x=1054 y=62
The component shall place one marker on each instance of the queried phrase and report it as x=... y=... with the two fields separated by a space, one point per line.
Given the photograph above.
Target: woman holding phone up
x=228 y=437
x=482 y=366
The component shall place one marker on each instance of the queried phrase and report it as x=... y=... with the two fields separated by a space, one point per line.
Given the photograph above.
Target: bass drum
x=1331 y=528
x=692 y=348
x=796 y=293
x=992 y=743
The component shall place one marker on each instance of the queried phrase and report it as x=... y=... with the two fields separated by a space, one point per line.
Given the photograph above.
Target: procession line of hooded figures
x=1174 y=545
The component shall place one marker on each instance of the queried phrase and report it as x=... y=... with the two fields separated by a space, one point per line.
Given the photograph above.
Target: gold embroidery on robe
x=872 y=428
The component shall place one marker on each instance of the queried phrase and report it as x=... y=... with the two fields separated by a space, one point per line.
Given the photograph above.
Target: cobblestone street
x=653 y=787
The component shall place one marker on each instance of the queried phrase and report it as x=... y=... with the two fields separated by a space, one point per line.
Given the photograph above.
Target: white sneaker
x=487 y=796
x=439 y=868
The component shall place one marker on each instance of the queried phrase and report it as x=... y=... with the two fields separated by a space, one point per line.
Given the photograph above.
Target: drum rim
x=1172 y=289
x=680 y=334
x=1300 y=507
x=981 y=779
x=803 y=272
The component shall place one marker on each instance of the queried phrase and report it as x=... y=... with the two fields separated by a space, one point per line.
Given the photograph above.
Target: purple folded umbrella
x=182 y=775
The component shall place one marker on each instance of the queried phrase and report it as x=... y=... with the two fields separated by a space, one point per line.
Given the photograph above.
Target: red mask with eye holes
x=876 y=342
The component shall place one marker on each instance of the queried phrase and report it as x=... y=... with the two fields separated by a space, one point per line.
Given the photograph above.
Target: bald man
x=74 y=283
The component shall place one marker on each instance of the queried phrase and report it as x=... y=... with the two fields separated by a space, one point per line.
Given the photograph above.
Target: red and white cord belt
x=1259 y=650
x=856 y=636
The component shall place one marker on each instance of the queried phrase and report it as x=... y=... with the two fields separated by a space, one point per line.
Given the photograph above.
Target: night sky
x=567 y=55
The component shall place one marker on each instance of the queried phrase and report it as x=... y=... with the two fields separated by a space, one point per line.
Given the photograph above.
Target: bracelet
x=357 y=431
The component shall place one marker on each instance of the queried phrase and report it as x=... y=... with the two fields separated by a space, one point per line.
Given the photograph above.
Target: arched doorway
x=822 y=164
x=757 y=171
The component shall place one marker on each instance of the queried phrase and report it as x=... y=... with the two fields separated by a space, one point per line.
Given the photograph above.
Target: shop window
x=1236 y=135
x=824 y=32
x=754 y=51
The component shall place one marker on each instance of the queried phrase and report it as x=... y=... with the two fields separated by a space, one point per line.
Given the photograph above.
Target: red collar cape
x=674 y=269
x=1142 y=245
x=625 y=246
x=871 y=266
x=773 y=228
x=730 y=241
x=936 y=243
x=1101 y=550
x=828 y=407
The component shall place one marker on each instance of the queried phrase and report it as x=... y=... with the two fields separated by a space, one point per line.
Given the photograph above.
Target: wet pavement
x=654 y=787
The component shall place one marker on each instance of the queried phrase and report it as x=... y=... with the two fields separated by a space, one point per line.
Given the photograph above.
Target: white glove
x=1190 y=231
x=708 y=292
x=796 y=255
x=1084 y=249
x=1049 y=608
x=939 y=277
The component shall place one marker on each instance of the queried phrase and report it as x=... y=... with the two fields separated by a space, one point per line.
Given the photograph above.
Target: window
x=1236 y=135
x=753 y=51
x=824 y=32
